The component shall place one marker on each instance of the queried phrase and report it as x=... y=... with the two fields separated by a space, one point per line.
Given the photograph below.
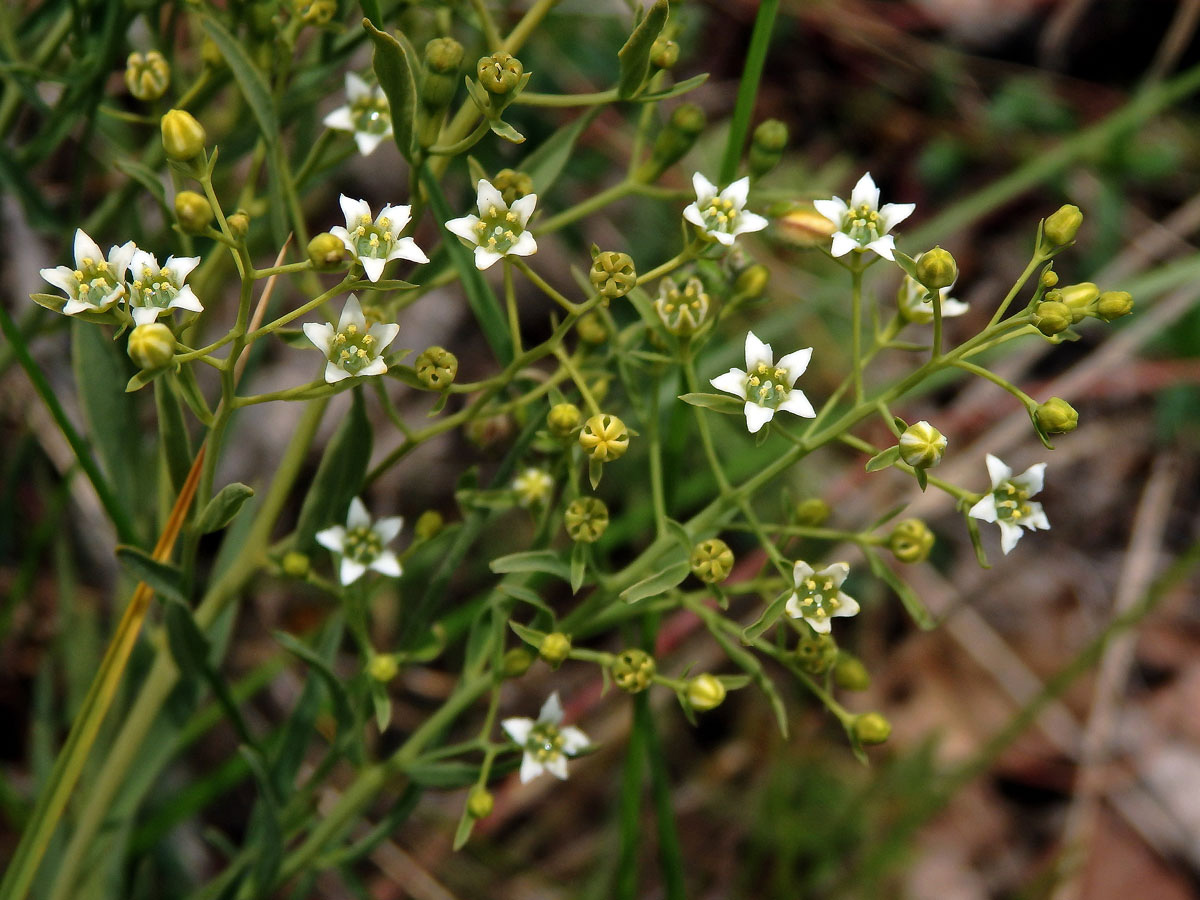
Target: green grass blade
x=743 y=111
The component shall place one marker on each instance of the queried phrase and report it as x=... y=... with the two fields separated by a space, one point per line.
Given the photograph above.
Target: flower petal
x=952 y=308
x=1036 y=520
x=997 y=471
x=372 y=266
x=884 y=246
x=893 y=214
x=357 y=516
x=820 y=626
x=757 y=416
x=800 y=571
x=488 y=198
x=397 y=216
x=339 y=232
x=722 y=237
x=186 y=299
x=352 y=314
x=1010 y=534
x=181 y=267
x=85 y=248
x=574 y=740
x=1031 y=479
x=339 y=120
x=375 y=367
x=523 y=208
x=794 y=364
x=847 y=605
x=387 y=528
x=332 y=538
x=61 y=277
x=143 y=264
x=732 y=382
x=485 y=259
x=119 y=257
x=748 y=222
x=837 y=571
x=834 y=209
x=144 y=315
x=865 y=192
x=525 y=245
x=384 y=334
x=350 y=570
x=985 y=509
x=557 y=766
x=73 y=306
x=705 y=189
x=354 y=210
x=737 y=192
x=406 y=248
x=842 y=244
x=757 y=352
x=792 y=608
x=335 y=373
x=691 y=212
x=552 y=710
x=798 y=405
x=386 y=563
x=464 y=228
x=530 y=768
x=518 y=729
x=320 y=334
x=367 y=142
x=356 y=87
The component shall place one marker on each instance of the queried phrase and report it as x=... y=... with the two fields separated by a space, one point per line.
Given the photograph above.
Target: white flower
x=365 y=115
x=361 y=544
x=96 y=282
x=862 y=224
x=767 y=386
x=533 y=486
x=155 y=288
x=498 y=230
x=1008 y=505
x=818 y=596
x=353 y=349
x=546 y=744
x=722 y=216
x=915 y=307
x=376 y=242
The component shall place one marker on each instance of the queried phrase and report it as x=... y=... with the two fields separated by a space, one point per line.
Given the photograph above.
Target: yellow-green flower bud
x=151 y=346
x=633 y=670
x=936 y=269
x=604 y=438
x=1062 y=225
x=872 y=728
x=487 y=431
x=766 y=147
x=592 y=329
x=563 y=419
x=1049 y=278
x=705 y=692
x=193 y=211
x=429 y=524
x=499 y=73
x=664 y=53
x=850 y=674
x=813 y=512
x=922 y=445
x=1080 y=298
x=816 y=653
x=294 y=564
x=443 y=56
x=911 y=541
x=182 y=136
x=211 y=54
x=805 y=227
x=516 y=662
x=1052 y=317
x=512 y=185
x=147 y=77
x=436 y=368
x=1114 y=304
x=239 y=224
x=676 y=139
x=586 y=519
x=711 y=561
x=682 y=310
x=382 y=667
x=1056 y=416
x=327 y=251
x=555 y=648
x=613 y=274
x=316 y=12
x=751 y=282
x=479 y=802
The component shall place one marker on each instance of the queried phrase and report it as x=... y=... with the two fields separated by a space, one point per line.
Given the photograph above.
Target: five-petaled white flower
x=97 y=281
x=818 y=596
x=362 y=544
x=375 y=242
x=353 y=349
x=767 y=386
x=533 y=486
x=912 y=299
x=722 y=216
x=154 y=288
x=499 y=230
x=546 y=744
x=862 y=224
x=366 y=115
x=1008 y=505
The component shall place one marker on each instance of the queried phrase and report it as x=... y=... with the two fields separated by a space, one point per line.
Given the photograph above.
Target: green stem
x=856 y=275
x=510 y=303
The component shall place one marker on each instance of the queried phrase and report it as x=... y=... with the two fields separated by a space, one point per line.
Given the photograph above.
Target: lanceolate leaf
x=635 y=55
x=396 y=70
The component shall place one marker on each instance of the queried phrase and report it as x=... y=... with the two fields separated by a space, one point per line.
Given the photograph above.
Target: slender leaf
x=222 y=508
x=100 y=374
x=546 y=163
x=165 y=579
x=658 y=583
x=883 y=460
x=172 y=434
x=912 y=603
x=546 y=561
x=339 y=476
x=635 y=55
x=730 y=406
x=250 y=80
x=396 y=72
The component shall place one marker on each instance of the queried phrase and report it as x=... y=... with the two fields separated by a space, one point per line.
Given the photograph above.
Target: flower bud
x=751 y=282
x=813 y=512
x=676 y=139
x=664 y=53
x=871 y=728
x=147 y=77
x=613 y=274
x=1114 y=304
x=327 y=252
x=555 y=647
x=516 y=662
x=1052 y=317
x=151 y=346
x=705 y=692
x=805 y=227
x=633 y=670
x=1049 y=278
x=592 y=328
x=922 y=445
x=1056 y=416
x=193 y=211
x=499 y=73
x=382 y=667
x=682 y=310
x=586 y=519
x=429 y=525
x=440 y=80
x=436 y=368
x=239 y=224
x=936 y=269
x=1079 y=298
x=294 y=564
x=850 y=674
x=182 y=136
x=711 y=561
x=487 y=431
x=479 y=802
x=816 y=653
x=766 y=147
x=211 y=54
x=1062 y=225
x=512 y=185
x=604 y=438
x=563 y=419
x=910 y=541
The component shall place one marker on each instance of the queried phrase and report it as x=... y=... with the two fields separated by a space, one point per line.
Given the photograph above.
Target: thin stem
x=756 y=57
x=510 y=303
x=584 y=391
x=856 y=275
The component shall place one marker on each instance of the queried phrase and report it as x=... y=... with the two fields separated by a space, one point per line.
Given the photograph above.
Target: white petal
x=997 y=471
x=884 y=246
x=525 y=245
x=181 y=267
x=574 y=740
x=732 y=382
x=523 y=208
x=372 y=266
x=352 y=314
x=820 y=626
x=72 y=306
x=842 y=244
x=795 y=363
x=530 y=768
x=691 y=212
x=119 y=257
x=383 y=334
x=406 y=248
x=757 y=416
x=186 y=299
x=357 y=516
x=1009 y=535
x=387 y=528
x=144 y=315
x=354 y=210
x=557 y=767
x=368 y=143
x=350 y=570
x=847 y=605
x=518 y=729
x=398 y=217
x=488 y=198
x=339 y=232
x=1031 y=479
x=893 y=214
x=335 y=373
x=339 y=119
x=464 y=228
x=793 y=607
x=722 y=237
x=757 y=352
x=1036 y=520
x=837 y=571
x=61 y=277
x=834 y=209
x=800 y=571
x=952 y=307
x=356 y=87
x=865 y=192
x=485 y=259
x=985 y=509
x=332 y=538
x=798 y=405
x=748 y=222
x=142 y=261
x=86 y=248
x=375 y=367
x=387 y=564
x=320 y=334
x=705 y=189
x=737 y=192
x=552 y=710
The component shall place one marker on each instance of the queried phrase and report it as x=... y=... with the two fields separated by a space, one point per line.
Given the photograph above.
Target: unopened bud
x=429 y=525
x=382 y=667
x=816 y=653
x=1056 y=416
x=711 y=561
x=151 y=346
x=239 y=224
x=805 y=227
x=436 y=368
x=705 y=692
x=1052 y=317
x=586 y=519
x=1079 y=297
x=316 y=12
x=633 y=670
x=487 y=431
x=443 y=56
x=676 y=139
x=294 y=564
x=872 y=728
x=193 y=211
x=813 y=512
x=911 y=541
x=766 y=147
x=936 y=269
x=1062 y=225
x=1114 y=304
x=592 y=328
x=850 y=674
x=147 y=77
x=555 y=648
x=516 y=662
x=183 y=137
x=327 y=251
x=664 y=53
x=751 y=282
x=613 y=274
x=1049 y=278
x=604 y=438
x=479 y=802
x=512 y=185
x=563 y=419
x=499 y=73
x=922 y=445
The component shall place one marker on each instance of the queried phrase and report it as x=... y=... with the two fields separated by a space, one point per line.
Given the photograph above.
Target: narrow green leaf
x=148 y=179
x=658 y=583
x=531 y=636
x=546 y=561
x=678 y=90
x=635 y=55
x=100 y=375
x=722 y=403
x=342 y=712
x=187 y=642
x=912 y=603
x=883 y=460
x=250 y=80
x=546 y=163
x=165 y=579
x=220 y=510
x=578 y=567
x=462 y=834
x=907 y=263
x=172 y=433
x=382 y=704
x=396 y=73
x=526 y=595
x=502 y=129
x=339 y=476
